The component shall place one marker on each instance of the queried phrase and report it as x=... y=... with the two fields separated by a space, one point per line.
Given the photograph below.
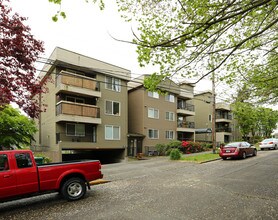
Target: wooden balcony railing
x=77 y=109
x=77 y=81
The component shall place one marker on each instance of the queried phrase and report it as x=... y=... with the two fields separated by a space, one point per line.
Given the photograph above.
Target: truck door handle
x=7 y=176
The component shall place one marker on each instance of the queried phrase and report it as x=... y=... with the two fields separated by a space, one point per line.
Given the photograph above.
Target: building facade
x=226 y=129
x=158 y=118
x=86 y=108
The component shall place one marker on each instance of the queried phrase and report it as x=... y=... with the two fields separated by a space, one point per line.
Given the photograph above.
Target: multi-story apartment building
x=158 y=118
x=86 y=108
x=225 y=125
x=203 y=119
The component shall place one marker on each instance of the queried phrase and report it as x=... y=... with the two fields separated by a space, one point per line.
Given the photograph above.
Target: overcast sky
x=86 y=30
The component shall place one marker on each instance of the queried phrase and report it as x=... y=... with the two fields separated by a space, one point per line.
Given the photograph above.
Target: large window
x=153 y=113
x=169 y=135
x=75 y=99
x=112 y=108
x=170 y=116
x=170 y=98
x=153 y=94
x=75 y=129
x=112 y=132
x=153 y=134
x=113 y=84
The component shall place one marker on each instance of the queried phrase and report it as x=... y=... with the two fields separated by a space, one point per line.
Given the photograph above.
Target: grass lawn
x=201 y=158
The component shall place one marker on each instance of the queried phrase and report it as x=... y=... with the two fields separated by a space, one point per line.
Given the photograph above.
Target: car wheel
x=255 y=153
x=276 y=147
x=73 y=189
x=262 y=149
x=224 y=158
x=243 y=155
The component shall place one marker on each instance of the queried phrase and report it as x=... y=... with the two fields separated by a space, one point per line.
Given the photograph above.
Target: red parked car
x=237 y=150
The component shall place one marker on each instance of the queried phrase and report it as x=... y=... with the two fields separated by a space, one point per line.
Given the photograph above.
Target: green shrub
x=175 y=154
x=161 y=149
x=174 y=144
x=45 y=158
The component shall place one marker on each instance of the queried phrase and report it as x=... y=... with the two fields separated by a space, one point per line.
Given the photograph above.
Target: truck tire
x=73 y=189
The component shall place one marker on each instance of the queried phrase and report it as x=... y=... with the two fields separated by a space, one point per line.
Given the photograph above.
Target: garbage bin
x=39 y=160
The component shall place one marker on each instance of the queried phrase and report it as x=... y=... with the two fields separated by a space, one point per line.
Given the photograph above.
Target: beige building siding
x=136 y=111
x=203 y=110
x=77 y=96
x=160 y=124
x=143 y=127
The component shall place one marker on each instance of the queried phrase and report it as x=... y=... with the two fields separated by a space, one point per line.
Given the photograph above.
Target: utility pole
x=213 y=132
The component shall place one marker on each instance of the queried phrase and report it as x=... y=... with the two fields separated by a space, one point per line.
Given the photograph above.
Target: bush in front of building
x=175 y=154
x=189 y=147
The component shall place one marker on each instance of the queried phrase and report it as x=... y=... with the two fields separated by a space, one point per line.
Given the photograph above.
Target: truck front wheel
x=73 y=189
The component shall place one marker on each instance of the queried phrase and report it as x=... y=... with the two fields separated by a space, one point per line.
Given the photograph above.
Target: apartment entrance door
x=135 y=145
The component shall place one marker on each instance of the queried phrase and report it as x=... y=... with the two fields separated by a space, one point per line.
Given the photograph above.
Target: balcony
x=224 y=118
x=186 y=126
x=63 y=137
x=70 y=82
x=186 y=109
x=223 y=129
x=77 y=112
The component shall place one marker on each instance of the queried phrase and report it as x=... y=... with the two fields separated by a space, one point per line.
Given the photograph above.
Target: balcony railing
x=228 y=117
x=77 y=109
x=186 y=124
x=188 y=107
x=70 y=138
x=76 y=80
x=223 y=129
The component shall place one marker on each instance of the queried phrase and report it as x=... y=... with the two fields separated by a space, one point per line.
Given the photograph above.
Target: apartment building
x=225 y=125
x=158 y=118
x=86 y=108
x=203 y=119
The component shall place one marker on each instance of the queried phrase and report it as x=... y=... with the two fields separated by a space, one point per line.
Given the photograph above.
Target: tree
x=196 y=38
x=19 y=51
x=15 y=128
x=255 y=120
x=246 y=118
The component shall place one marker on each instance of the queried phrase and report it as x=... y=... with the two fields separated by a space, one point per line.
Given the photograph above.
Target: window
x=153 y=113
x=169 y=135
x=210 y=118
x=4 y=164
x=153 y=134
x=113 y=84
x=75 y=99
x=153 y=94
x=170 y=116
x=112 y=108
x=170 y=98
x=23 y=160
x=75 y=129
x=112 y=132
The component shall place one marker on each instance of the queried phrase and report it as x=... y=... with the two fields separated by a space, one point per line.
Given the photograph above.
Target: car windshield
x=232 y=145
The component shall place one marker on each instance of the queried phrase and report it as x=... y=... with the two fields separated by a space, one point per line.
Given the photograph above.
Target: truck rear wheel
x=73 y=189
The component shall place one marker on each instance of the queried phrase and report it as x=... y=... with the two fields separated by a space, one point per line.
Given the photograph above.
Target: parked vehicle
x=20 y=176
x=237 y=150
x=270 y=143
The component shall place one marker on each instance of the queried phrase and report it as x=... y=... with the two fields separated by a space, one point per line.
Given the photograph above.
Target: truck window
x=4 y=165
x=23 y=160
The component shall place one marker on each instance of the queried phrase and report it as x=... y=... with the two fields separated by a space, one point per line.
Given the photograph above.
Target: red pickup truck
x=20 y=176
